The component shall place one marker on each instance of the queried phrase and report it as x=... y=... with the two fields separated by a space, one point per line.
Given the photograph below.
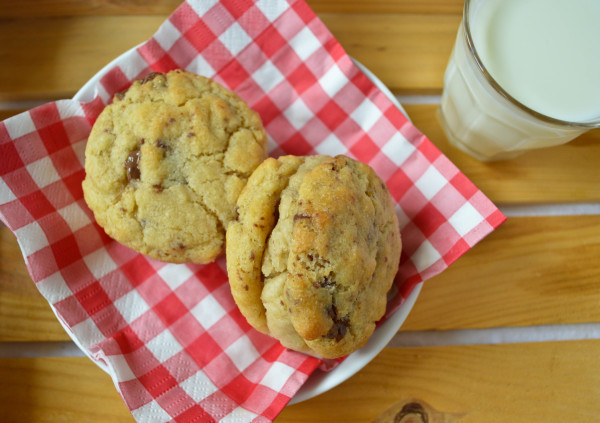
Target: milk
x=545 y=54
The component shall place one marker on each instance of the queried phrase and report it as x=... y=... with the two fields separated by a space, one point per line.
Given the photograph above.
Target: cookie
x=313 y=252
x=165 y=163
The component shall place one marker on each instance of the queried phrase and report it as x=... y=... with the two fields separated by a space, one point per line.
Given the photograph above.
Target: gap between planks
x=403 y=339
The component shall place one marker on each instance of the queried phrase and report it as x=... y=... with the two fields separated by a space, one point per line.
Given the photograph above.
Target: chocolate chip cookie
x=313 y=251
x=166 y=161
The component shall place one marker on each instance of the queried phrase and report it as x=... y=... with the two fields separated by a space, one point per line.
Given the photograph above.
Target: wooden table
x=531 y=273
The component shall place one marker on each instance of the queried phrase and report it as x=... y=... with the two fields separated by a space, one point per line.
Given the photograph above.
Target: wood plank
x=530 y=271
x=61 y=8
x=48 y=8
x=58 y=390
x=5 y=114
x=547 y=382
x=495 y=384
x=24 y=313
x=53 y=58
x=566 y=173
x=410 y=59
x=450 y=7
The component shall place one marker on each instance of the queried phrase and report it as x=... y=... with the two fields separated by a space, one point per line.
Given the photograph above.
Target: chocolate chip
x=121 y=95
x=338 y=330
x=246 y=287
x=340 y=325
x=132 y=165
x=299 y=216
x=332 y=312
x=150 y=77
x=334 y=166
x=162 y=145
x=326 y=282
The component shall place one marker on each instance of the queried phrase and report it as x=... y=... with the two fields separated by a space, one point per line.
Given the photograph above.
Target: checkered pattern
x=175 y=344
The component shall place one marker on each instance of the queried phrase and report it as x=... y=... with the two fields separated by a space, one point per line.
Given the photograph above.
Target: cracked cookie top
x=313 y=252
x=166 y=161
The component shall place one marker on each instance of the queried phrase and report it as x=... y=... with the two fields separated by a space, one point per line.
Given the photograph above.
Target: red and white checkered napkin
x=170 y=335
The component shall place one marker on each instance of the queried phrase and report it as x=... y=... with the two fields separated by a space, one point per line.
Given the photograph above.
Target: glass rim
x=498 y=88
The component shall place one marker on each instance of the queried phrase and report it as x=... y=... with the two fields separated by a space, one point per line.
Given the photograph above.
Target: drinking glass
x=481 y=118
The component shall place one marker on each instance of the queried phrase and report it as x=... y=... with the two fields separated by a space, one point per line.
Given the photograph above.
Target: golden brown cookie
x=166 y=161
x=313 y=252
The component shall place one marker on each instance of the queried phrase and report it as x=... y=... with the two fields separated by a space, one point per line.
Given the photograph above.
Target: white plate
x=319 y=381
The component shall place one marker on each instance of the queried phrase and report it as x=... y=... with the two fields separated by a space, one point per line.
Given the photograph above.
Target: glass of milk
x=523 y=74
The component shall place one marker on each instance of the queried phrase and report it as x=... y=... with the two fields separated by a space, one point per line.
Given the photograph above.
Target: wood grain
x=50 y=390
x=547 y=382
x=24 y=313
x=410 y=59
x=563 y=174
x=436 y=7
x=5 y=114
x=46 y=8
x=531 y=271
x=52 y=58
